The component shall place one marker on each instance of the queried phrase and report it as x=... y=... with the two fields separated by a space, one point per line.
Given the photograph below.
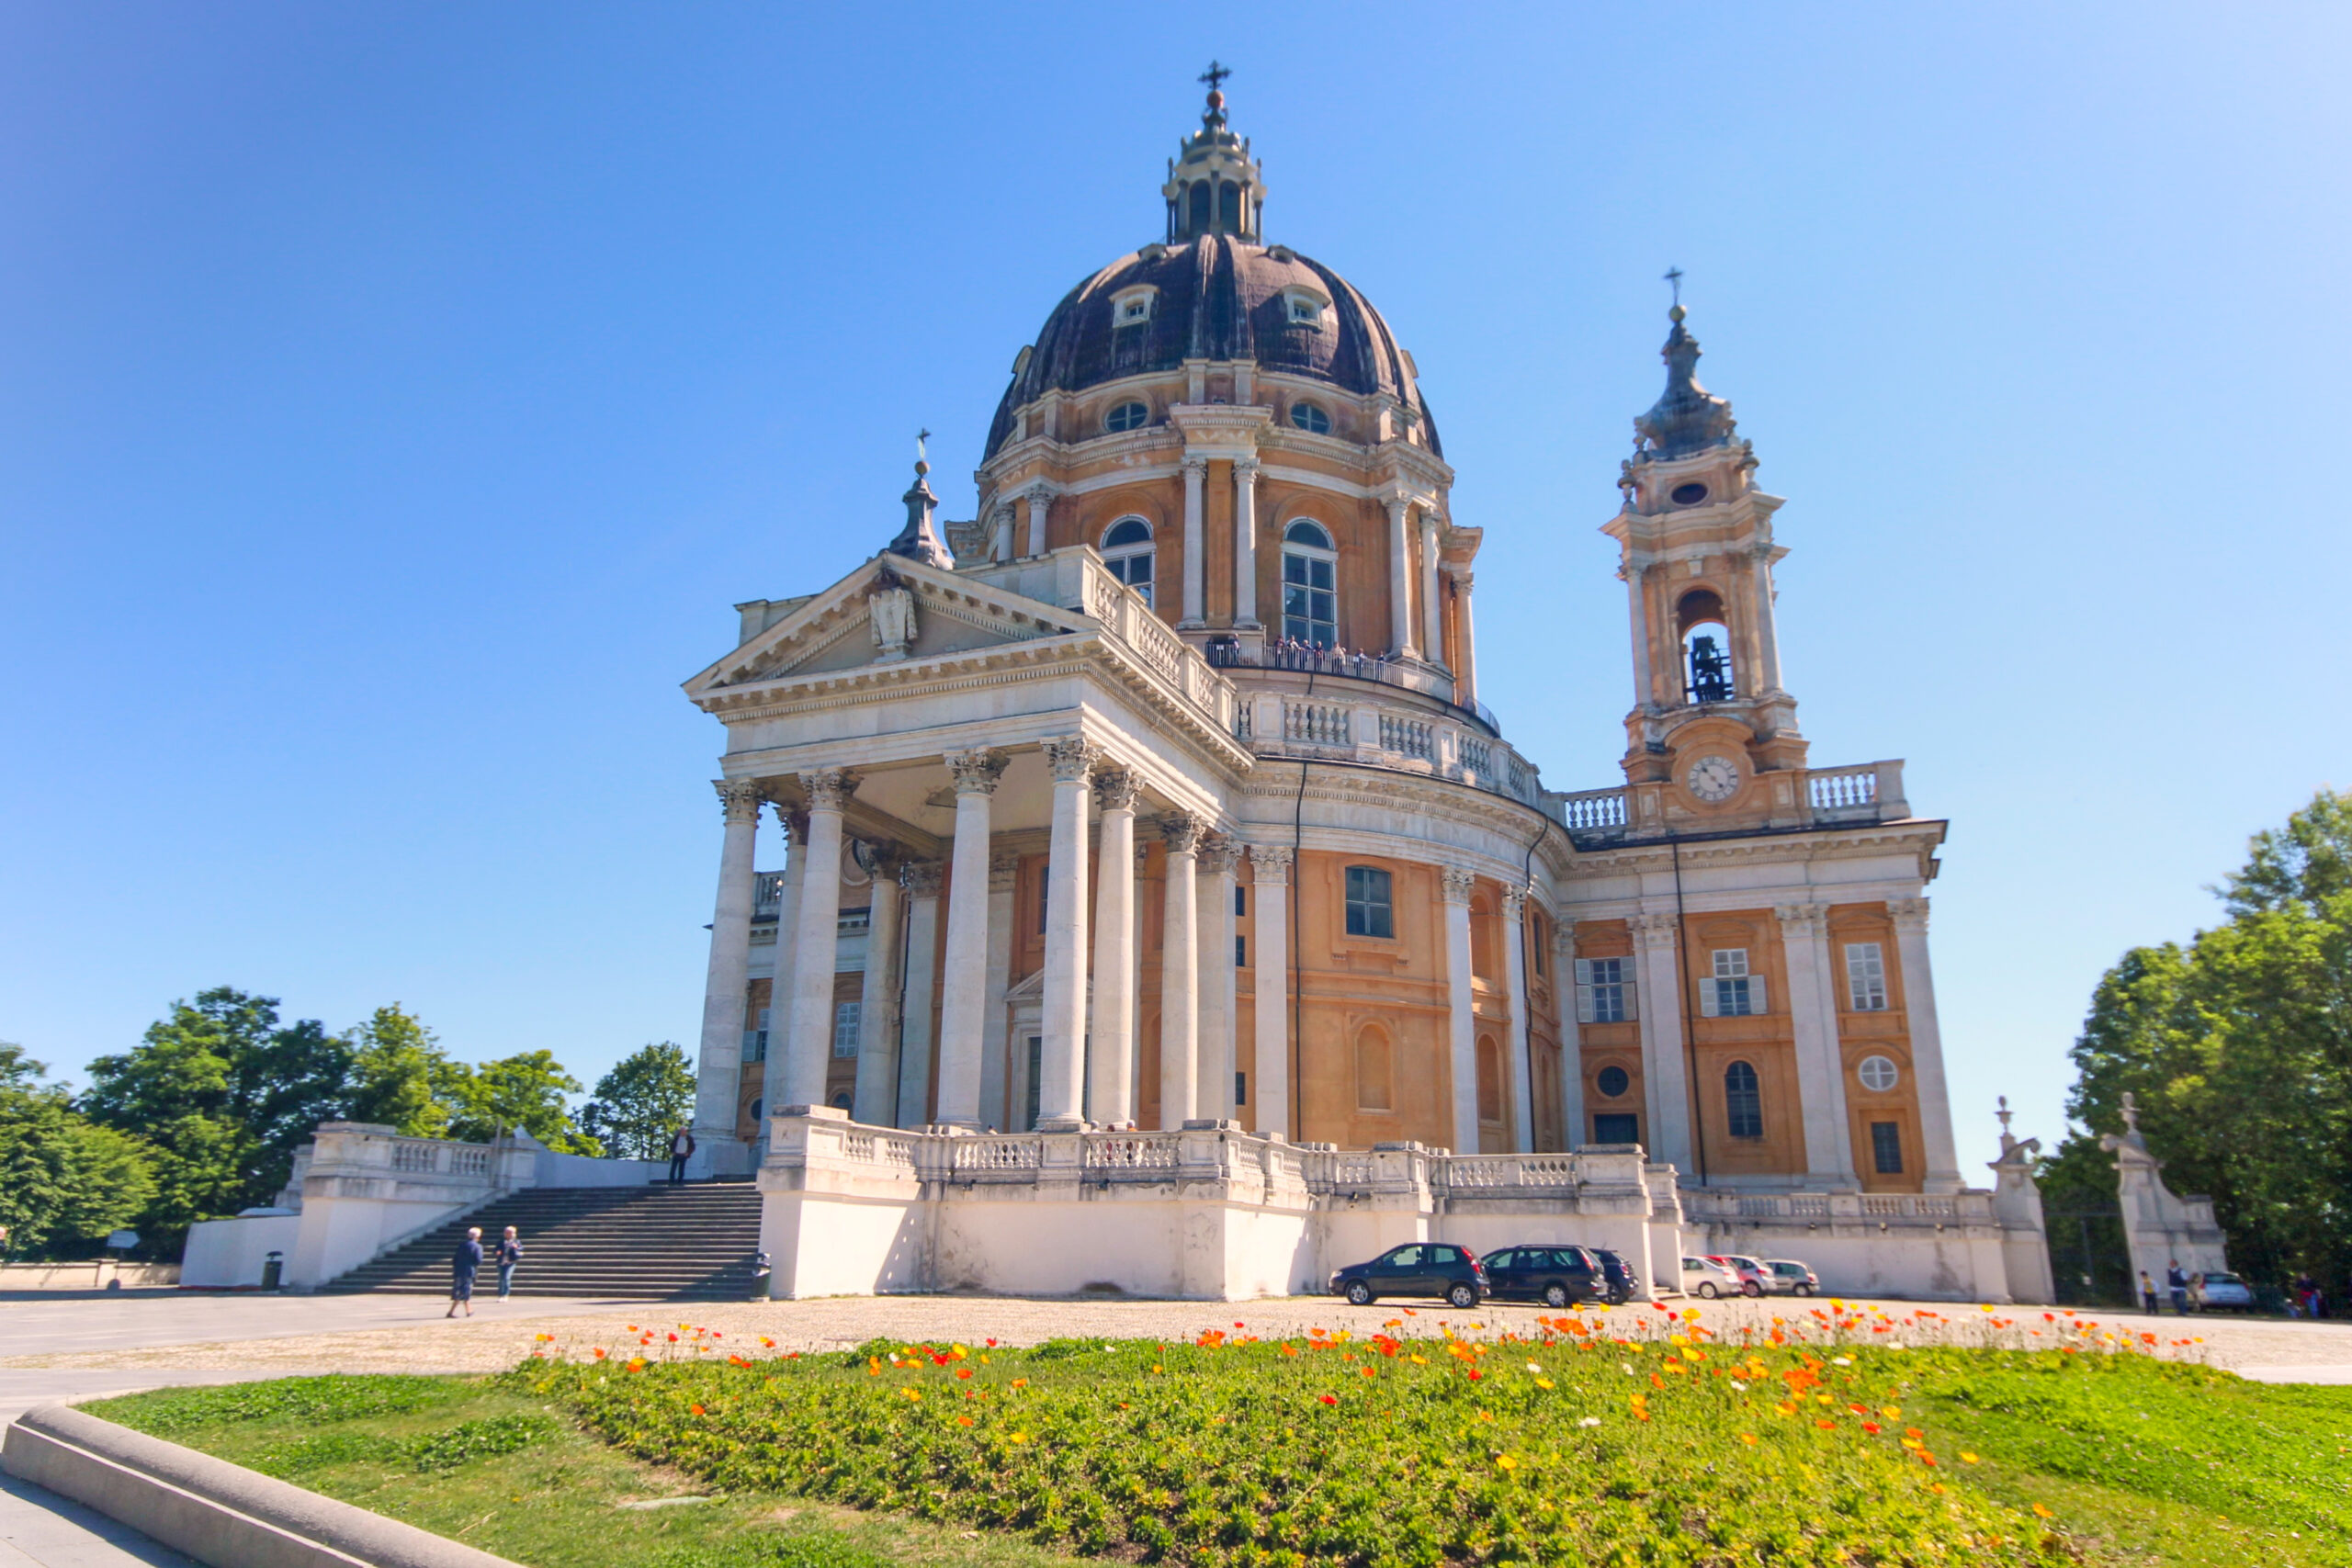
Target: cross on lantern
x=1214 y=75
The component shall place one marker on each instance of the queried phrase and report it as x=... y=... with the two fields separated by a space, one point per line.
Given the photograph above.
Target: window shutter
x=1710 y=999
x=1584 y=990
x=1755 y=1002
x=1630 y=992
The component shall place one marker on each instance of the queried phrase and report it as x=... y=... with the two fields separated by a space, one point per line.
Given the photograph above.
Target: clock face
x=1713 y=779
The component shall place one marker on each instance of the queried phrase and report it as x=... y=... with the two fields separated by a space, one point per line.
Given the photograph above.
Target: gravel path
x=274 y=1342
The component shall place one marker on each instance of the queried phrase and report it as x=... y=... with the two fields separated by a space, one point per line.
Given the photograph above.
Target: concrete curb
x=221 y=1514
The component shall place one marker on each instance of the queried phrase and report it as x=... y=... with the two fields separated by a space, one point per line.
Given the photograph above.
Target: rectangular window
x=1240 y=902
x=845 y=1021
x=1371 y=911
x=1731 y=991
x=1540 y=932
x=1604 y=990
x=1866 y=976
x=1242 y=953
x=1031 y=1095
x=1240 y=1088
x=1886 y=1147
x=1045 y=888
x=1616 y=1127
x=755 y=1039
x=1310 y=600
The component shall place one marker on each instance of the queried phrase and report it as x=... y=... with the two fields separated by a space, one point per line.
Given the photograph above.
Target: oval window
x=1612 y=1081
x=1878 y=1074
x=1127 y=416
x=1691 y=494
x=1310 y=418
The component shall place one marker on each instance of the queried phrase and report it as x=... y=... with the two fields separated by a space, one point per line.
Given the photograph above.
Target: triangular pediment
x=890 y=611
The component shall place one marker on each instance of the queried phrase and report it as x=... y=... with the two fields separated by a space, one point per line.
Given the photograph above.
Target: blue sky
x=395 y=399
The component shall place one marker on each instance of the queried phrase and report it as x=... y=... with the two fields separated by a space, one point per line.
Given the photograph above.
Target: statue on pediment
x=890 y=607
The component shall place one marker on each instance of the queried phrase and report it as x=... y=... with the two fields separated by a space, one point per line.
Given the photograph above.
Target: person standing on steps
x=681 y=1149
x=464 y=1264
x=509 y=1253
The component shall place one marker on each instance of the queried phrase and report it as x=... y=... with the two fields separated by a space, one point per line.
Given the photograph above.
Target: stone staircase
x=695 y=1242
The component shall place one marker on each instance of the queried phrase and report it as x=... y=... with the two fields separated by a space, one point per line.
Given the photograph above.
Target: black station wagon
x=1439 y=1268
x=1556 y=1276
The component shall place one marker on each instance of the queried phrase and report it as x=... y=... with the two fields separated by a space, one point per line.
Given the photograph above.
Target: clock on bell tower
x=1712 y=741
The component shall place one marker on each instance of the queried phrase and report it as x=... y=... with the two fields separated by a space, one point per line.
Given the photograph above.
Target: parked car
x=1792 y=1278
x=1556 y=1276
x=1623 y=1283
x=1440 y=1268
x=1755 y=1279
x=1705 y=1276
x=2220 y=1288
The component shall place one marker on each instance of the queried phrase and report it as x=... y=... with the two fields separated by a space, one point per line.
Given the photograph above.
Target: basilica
x=1160 y=795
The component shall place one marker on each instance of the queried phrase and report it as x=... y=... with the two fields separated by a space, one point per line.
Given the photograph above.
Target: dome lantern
x=1214 y=186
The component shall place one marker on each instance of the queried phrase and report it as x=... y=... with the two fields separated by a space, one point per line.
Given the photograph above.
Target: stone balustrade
x=1374 y=726
x=1865 y=791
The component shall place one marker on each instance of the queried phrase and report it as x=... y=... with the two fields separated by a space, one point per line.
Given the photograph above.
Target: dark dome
x=1219 y=298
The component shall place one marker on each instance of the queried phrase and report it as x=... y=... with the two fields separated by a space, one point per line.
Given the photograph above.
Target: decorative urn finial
x=919 y=540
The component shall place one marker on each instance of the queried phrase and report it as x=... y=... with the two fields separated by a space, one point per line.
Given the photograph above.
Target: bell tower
x=1712 y=742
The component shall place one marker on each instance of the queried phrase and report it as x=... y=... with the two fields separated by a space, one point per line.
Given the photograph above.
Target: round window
x=1127 y=416
x=1691 y=494
x=1878 y=1074
x=1310 y=418
x=1611 y=1081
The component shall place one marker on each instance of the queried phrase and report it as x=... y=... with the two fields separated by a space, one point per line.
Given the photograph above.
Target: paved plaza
x=65 y=1346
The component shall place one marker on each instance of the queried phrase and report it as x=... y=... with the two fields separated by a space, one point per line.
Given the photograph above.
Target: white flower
x=1840 y=1361
x=1737 y=1386
x=1628 y=1366
x=1533 y=1368
x=1589 y=1421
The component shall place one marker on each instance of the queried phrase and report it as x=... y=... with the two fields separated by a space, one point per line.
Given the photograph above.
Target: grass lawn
x=1592 y=1444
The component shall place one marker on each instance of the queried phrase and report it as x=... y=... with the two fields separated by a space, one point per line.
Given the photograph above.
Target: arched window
x=1374 y=1087
x=1490 y=1079
x=1743 y=1101
x=1707 y=674
x=1129 y=551
x=1310 y=585
x=1311 y=418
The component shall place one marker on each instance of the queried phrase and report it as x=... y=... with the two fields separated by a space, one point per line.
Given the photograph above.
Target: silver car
x=2220 y=1288
x=1790 y=1277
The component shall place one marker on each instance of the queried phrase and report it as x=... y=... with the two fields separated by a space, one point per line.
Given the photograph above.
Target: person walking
x=681 y=1149
x=464 y=1264
x=2177 y=1282
x=2147 y=1293
x=509 y=1253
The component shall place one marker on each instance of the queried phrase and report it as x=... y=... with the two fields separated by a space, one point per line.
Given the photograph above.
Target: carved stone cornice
x=1182 y=831
x=739 y=800
x=919 y=878
x=1269 y=862
x=1071 y=758
x=1114 y=789
x=829 y=789
x=1455 y=884
x=977 y=772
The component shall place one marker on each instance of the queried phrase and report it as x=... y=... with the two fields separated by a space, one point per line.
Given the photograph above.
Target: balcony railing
x=1866 y=792
x=1373 y=667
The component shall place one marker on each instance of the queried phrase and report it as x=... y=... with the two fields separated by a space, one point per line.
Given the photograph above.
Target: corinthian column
x=1564 y=991
x=1821 y=1069
x=1218 y=993
x=815 y=946
x=1111 y=1041
x=1927 y=1042
x=1432 y=613
x=1522 y=1081
x=1180 y=998
x=787 y=922
x=1040 y=497
x=1462 y=1037
x=720 y=1063
x=1400 y=578
x=921 y=881
x=1245 y=543
x=877 y=1091
x=964 y=997
x=1270 y=874
x=1664 y=1084
x=1466 y=652
x=1061 y=1066
x=1195 y=546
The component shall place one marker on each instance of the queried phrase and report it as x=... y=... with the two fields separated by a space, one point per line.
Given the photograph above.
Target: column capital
x=1564 y=939
x=1514 y=904
x=1219 y=856
x=1114 y=789
x=919 y=878
x=1462 y=576
x=1182 y=831
x=793 y=821
x=1271 y=863
x=1457 y=883
x=1072 y=757
x=1195 y=464
x=738 y=799
x=1806 y=920
x=1003 y=870
x=977 y=772
x=1245 y=468
x=1654 y=931
x=1910 y=915
x=1039 y=490
x=829 y=789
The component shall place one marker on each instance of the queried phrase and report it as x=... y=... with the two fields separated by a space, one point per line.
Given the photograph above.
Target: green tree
x=394 y=1057
x=640 y=1101
x=2238 y=1047
x=63 y=1178
x=224 y=1091
x=527 y=1090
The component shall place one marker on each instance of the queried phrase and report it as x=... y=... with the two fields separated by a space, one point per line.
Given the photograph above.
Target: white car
x=2219 y=1290
x=1705 y=1276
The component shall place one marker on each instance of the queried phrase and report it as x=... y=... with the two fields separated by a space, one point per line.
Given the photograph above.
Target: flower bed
x=1640 y=1438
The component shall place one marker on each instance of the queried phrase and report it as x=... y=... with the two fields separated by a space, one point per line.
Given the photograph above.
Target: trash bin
x=272 y=1271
